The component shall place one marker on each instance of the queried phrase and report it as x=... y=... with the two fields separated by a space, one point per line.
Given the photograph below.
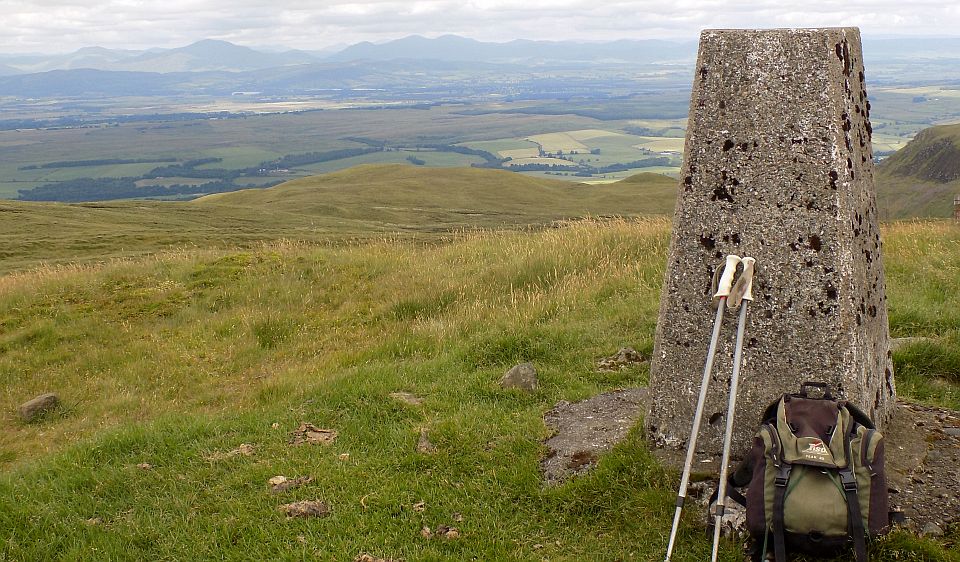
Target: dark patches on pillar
x=785 y=175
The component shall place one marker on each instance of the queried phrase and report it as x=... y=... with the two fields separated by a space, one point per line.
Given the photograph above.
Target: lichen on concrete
x=778 y=166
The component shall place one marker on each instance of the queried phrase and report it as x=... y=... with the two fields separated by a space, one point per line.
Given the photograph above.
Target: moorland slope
x=358 y=203
x=184 y=373
x=922 y=178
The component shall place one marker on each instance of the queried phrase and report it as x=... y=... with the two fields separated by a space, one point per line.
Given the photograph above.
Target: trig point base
x=778 y=165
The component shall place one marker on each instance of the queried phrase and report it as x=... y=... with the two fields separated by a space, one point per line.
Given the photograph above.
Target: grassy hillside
x=411 y=198
x=359 y=203
x=177 y=359
x=922 y=178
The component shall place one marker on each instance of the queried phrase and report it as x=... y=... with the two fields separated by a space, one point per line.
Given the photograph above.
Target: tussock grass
x=922 y=261
x=178 y=358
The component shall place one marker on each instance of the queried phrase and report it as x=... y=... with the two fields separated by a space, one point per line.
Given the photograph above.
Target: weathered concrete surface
x=778 y=166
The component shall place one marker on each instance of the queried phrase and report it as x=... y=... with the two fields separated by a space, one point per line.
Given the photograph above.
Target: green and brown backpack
x=815 y=477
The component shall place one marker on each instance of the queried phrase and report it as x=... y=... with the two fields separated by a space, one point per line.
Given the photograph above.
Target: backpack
x=815 y=477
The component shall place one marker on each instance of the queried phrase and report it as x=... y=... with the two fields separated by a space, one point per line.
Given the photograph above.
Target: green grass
x=495 y=146
x=922 y=261
x=177 y=358
x=360 y=203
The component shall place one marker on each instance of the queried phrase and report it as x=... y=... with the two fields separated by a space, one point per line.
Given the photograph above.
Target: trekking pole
x=723 y=291
x=741 y=294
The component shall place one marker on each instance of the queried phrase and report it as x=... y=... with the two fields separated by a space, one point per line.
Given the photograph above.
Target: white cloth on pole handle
x=743 y=290
x=726 y=279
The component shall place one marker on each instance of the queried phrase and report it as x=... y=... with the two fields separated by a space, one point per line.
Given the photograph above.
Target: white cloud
x=60 y=25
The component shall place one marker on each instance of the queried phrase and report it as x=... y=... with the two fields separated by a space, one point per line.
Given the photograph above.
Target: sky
x=65 y=25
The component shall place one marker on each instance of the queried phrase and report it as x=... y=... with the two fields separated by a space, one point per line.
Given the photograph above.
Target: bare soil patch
x=586 y=429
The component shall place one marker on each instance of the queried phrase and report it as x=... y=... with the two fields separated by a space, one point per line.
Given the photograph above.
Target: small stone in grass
x=282 y=483
x=306 y=508
x=420 y=506
x=522 y=377
x=38 y=407
x=423 y=443
x=364 y=557
x=145 y=466
x=309 y=433
x=245 y=450
x=447 y=532
x=426 y=533
x=407 y=398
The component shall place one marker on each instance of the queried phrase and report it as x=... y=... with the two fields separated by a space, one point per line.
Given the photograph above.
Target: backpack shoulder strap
x=779 y=494
x=859 y=417
x=849 y=482
x=770 y=412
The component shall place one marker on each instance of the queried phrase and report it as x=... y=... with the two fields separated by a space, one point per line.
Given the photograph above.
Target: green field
x=623 y=130
x=248 y=141
x=432 y=159
x=169 y=362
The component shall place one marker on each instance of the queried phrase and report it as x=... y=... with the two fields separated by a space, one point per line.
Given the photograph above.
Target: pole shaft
x=728 y=433
x=697 y=418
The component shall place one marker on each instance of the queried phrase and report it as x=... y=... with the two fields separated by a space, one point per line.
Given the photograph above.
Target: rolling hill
x=362 y=202
x=922 y=178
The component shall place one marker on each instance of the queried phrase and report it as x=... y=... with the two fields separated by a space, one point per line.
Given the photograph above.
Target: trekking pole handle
x=747 y=277
x=726 y=279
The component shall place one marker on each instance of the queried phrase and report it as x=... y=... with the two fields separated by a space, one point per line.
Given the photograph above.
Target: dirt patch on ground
x=923 y=465
x=922 y=452
x=586 y=429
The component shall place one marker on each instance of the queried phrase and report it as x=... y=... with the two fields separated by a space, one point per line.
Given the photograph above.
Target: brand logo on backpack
x=816 y=451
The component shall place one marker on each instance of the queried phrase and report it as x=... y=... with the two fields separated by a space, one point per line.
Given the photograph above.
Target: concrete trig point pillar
x=778 y=165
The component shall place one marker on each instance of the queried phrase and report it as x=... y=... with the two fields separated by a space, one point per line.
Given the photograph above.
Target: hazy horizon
x=63 y=26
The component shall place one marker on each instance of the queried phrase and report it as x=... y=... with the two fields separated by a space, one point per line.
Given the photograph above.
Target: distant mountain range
x=456 y=48
x=203 y=56
x=214 y=55
x=213 y=67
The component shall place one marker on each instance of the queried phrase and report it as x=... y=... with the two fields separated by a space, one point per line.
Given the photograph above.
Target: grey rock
x=585 y=430
x=733 y=523
x=36 y=408
x=931 y=529
x=622 y=359
x=952 y=431
x=778 y=165
x=522 y=377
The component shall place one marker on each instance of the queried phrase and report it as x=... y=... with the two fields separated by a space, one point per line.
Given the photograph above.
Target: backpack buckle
x=849 y=481
x=783 y=475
